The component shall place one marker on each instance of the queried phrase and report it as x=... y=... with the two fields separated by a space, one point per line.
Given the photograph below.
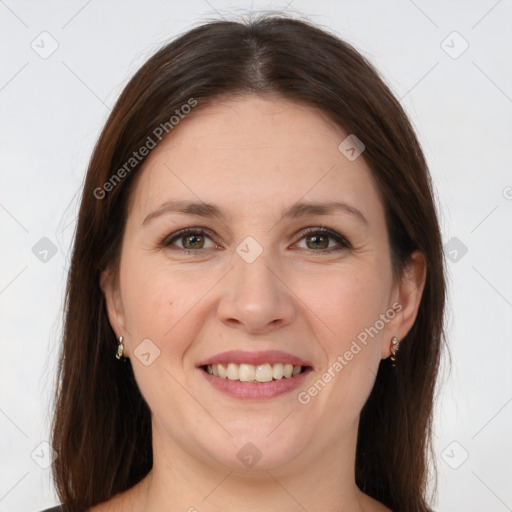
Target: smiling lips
x=272 y=372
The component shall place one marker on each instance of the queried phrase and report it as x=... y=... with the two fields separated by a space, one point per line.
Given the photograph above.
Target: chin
x=262 y=449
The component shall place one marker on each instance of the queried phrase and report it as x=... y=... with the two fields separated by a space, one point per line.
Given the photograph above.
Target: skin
x=253 y=157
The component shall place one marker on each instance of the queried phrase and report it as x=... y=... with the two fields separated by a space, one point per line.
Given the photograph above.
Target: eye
x=192 y=240
x=317 y=240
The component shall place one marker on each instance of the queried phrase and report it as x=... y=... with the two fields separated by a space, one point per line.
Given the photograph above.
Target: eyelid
x=341 y=239
x=166 y=241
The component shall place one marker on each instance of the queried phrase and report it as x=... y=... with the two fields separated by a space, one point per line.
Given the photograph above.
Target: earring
x=395 y=342
x=120 y=348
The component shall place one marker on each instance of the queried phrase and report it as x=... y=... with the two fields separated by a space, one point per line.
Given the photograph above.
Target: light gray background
x=53 y=109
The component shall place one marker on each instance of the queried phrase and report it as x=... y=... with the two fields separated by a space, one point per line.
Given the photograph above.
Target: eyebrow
x=297 y=210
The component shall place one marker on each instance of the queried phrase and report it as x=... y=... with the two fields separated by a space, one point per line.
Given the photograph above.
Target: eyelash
x=345 y=244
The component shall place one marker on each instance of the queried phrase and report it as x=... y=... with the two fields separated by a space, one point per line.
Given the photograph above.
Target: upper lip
x=255 y=358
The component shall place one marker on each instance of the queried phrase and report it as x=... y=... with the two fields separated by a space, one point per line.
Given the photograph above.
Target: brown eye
x=318 y=240
x=191 y=240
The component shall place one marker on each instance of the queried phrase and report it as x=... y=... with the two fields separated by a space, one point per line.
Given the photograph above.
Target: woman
x=254 y=312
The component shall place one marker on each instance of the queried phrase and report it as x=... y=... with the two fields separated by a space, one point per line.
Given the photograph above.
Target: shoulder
x=58 y=508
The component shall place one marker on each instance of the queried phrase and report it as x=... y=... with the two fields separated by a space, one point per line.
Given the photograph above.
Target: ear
x=110 y=287
x=406 y=301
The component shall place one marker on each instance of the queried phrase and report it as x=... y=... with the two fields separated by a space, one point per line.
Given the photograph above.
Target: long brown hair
x=101 y=426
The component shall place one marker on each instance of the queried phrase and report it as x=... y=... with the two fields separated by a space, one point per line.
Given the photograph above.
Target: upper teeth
x=250 y=373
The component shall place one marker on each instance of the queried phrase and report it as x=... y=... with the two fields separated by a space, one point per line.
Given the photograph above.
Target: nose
x=256 y=298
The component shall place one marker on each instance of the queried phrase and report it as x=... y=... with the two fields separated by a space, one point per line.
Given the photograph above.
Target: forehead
x=253 y=153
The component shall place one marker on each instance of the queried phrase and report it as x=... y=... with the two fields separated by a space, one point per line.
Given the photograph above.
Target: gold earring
x=395 y=342
x=120 y=348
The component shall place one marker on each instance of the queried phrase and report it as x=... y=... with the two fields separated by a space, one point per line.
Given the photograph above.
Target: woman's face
x=249 y=279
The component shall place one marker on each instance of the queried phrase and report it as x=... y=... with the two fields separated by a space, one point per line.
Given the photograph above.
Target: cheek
x=158 y=306
x=349 y=308
x=155 y=300
x=348 y=302
x=165 y=303
x=148 y=297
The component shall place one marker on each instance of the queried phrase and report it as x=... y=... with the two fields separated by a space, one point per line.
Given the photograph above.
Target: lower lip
x=253 y=390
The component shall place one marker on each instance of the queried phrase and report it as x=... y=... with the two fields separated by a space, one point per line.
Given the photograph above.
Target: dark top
x=58 y=508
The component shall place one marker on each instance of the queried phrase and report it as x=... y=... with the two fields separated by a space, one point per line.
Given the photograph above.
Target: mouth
x=255 y=375
x=261 y=373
